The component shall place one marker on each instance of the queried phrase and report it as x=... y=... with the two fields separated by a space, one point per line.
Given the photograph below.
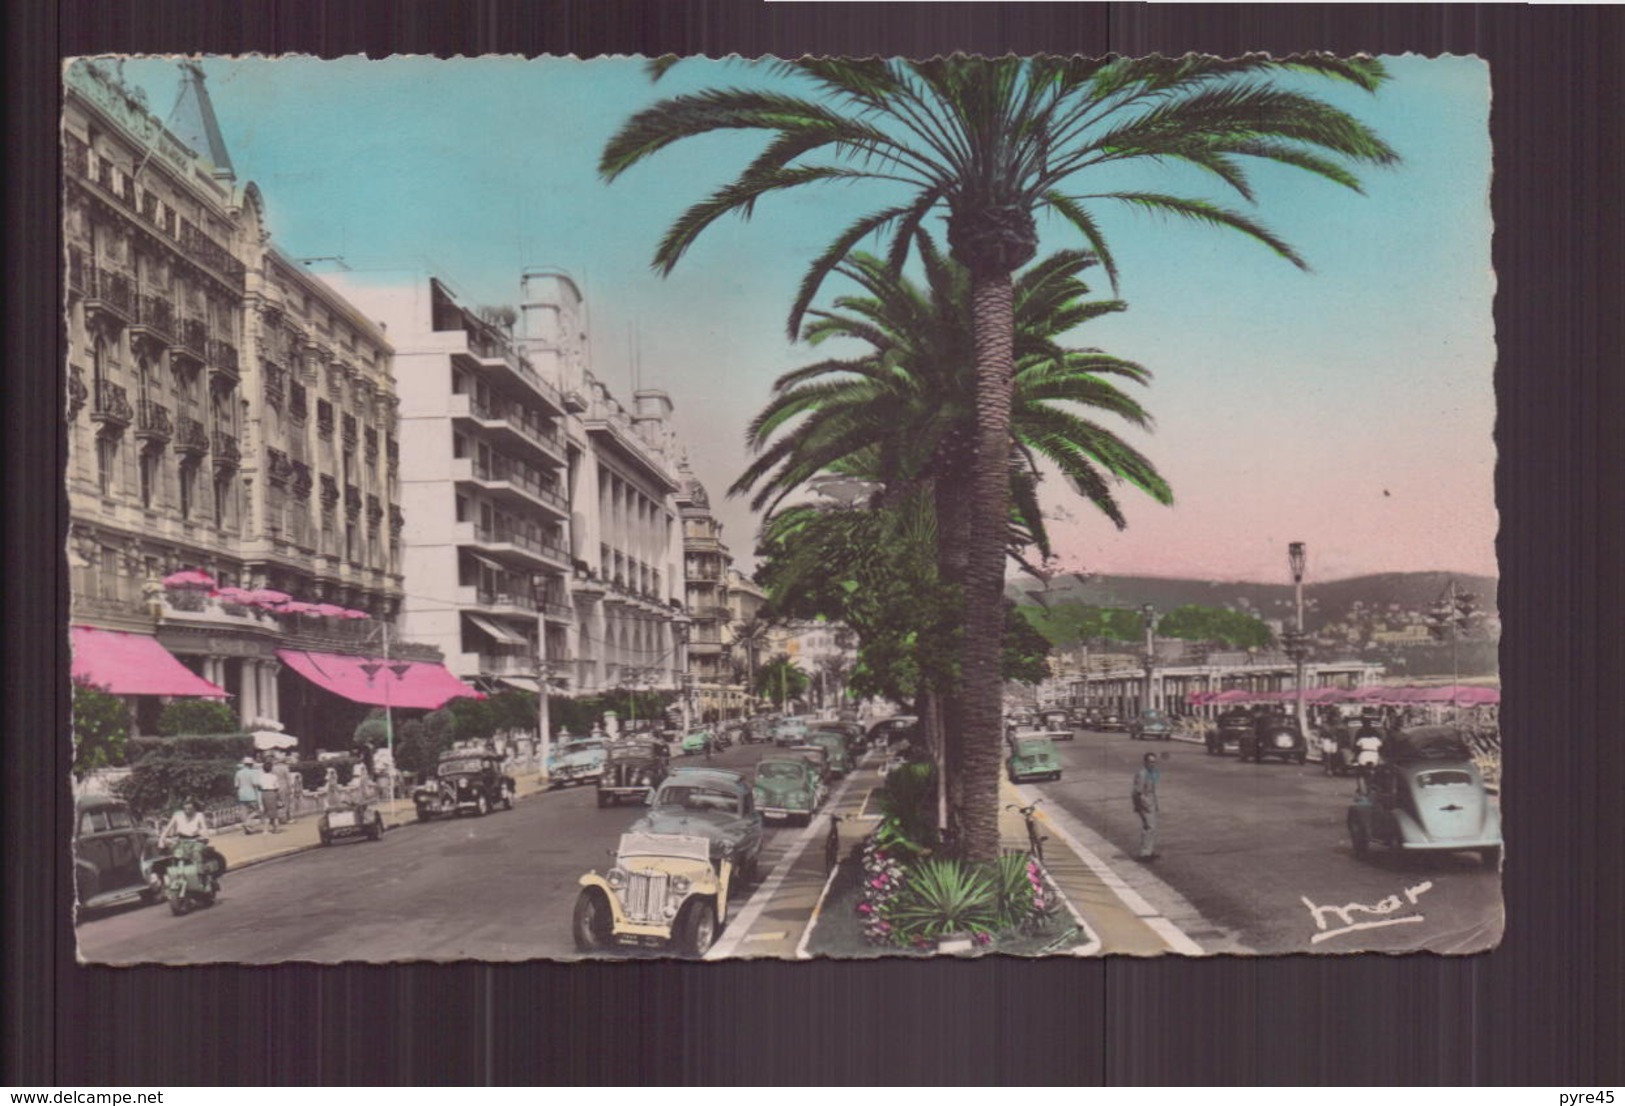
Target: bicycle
x=1035 y=840
x=832 y=842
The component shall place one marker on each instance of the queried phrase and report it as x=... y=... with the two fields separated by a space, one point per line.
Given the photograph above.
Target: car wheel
x=1491 y=856
x=696 y=928
x=1358 y=838
x=375 y=831
x=325 y=835
x=603 y=800
x=482 y=805
x=507 y=798
x=592 y=921
x=423 y=814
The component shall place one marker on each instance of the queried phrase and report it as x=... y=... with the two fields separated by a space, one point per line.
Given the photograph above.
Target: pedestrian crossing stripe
x=779 y=936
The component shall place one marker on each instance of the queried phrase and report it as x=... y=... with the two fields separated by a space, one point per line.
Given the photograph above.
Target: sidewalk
x=242 y=850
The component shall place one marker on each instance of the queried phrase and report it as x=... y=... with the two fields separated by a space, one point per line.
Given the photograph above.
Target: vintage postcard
x=822 y=508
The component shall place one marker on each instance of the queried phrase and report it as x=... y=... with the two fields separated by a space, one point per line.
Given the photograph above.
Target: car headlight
x=616 y=879
x=647 y=779
x=1283 y=741
x=670 y=910
x=680 y=884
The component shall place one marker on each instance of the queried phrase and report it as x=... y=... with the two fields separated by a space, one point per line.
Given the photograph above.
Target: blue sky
x=1350 y=407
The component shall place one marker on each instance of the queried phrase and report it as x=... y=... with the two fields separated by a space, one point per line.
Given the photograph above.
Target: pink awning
x=134 y=664
x=420 y=686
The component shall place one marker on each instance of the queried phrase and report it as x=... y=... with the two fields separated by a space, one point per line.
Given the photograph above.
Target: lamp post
x=1149 y=614
x=544 y=723
x=400 y=669
x=1297 y=555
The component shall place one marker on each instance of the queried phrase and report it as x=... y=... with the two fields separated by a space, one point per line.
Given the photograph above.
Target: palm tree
x=993 y=142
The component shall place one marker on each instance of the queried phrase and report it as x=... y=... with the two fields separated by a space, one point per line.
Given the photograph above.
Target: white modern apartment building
x=544 y=540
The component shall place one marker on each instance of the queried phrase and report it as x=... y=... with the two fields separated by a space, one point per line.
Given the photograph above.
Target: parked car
x=666 y=889
x=840 y=762
x=852 y=734
x=789 y=731
x=464 y=781
x=1228 y=731
x=716 y=804
x=787 y=786
x=894 y=730
x=1110 y=721
x=695 y=741
x=1059 y=722
x=633 y=768
x=113 y=855
x=1151 y=725
x=1033 y=757
x=1274 y=735
x=1427 y=795
x=352 y=819
x=818 y=756
x=580 y=760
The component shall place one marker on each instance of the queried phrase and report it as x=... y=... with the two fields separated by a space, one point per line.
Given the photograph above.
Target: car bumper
x=1451 y=846
x=641 y=790
x=777 y=813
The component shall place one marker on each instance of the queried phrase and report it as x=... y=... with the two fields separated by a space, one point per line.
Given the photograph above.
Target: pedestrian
x=247 y=782
x=331 y=797
x=289 y=785
x=271 y=797
x=1145 y=805
x=1367 y=755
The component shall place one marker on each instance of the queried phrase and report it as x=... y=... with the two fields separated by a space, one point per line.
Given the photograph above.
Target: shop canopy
x=134 y=664
x=418 y=686
x=1459 y=695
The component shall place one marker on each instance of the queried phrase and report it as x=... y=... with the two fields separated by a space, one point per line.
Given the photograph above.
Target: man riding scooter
x=191 y=874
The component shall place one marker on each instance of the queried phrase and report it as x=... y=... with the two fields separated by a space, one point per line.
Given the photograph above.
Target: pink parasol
x=232 y=595
x=190 y=578
x=329 y=610
x=266 y=597
x=350 y=613
x=294 y=606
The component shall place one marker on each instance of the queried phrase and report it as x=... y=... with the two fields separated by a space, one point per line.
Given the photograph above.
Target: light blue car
x=578 y=761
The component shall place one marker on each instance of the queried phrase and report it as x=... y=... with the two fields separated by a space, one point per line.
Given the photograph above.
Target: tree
x=101 y=723
x=196 y=716
x=994 y=142
x=781 y=680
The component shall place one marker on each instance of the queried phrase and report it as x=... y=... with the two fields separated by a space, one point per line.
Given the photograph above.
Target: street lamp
x=1297 y=556
x=400 y=669
x=544 y=723
x=1149 y=614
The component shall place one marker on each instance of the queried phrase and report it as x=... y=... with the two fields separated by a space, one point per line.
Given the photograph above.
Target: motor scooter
x=190 y=875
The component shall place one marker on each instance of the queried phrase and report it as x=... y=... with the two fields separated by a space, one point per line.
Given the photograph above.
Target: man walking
x=1145 y=805
x=271 y=795
x=247 y=782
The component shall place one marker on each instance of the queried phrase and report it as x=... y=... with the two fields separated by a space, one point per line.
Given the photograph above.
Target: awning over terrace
x=419 y=685
x=1462 y=695
x=134 y=664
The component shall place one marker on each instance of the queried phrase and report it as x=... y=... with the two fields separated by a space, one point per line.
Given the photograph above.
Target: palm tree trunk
x=950 y=492
x=981 y=687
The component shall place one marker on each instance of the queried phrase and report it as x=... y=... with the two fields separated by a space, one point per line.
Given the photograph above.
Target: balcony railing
x=508 y=664
x=192 y=337
x=190 y=436
x=516 y=416
x=154 y=315
x=501 y=535
x=557 y=609
x=490 y=598
x=109 y=290
x=226 y=451
x=152 y=421
x=324 y=419
x=223 y=356
x=503 y=470
x=349 y=430
x=111 y=404
x=493 y=352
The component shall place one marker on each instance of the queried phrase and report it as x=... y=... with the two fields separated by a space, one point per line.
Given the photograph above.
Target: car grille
x=646 y=895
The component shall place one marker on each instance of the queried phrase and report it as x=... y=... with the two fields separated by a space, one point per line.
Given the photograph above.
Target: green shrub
x=101 y=725
x=1023 y=901
x=213 y=746
x=909 y=802
x=160 y=781
x=197 y=716
x=941 y=897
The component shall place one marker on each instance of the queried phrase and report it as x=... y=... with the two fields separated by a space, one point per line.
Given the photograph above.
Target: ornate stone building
x=227 y=413
x=707 y=566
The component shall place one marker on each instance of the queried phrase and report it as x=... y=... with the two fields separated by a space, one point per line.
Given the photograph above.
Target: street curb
x=812 y=920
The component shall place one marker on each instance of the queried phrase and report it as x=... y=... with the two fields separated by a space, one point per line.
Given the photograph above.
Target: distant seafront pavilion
x=1118 y=681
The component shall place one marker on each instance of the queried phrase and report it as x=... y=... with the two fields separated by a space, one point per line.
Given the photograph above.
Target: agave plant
x=945 y=896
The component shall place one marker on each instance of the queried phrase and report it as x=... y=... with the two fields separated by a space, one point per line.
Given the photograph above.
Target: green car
x=695 y=741
x=787 y=787
x=840 y=760
x=1033 y=757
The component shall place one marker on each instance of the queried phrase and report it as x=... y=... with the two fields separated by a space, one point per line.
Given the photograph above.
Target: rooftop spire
x=194 y=121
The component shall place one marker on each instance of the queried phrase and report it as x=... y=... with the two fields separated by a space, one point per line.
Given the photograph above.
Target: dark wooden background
x=1544 y=1009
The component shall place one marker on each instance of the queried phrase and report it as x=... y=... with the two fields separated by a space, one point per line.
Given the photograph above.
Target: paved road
x=500 y=887
x=1247 y=843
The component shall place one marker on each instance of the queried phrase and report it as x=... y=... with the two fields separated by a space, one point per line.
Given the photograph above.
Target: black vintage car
x=633 y=768
x=714 y=803
x=113 y=855
x=464 y=780
x=1274 y=735
x=1228 y=731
